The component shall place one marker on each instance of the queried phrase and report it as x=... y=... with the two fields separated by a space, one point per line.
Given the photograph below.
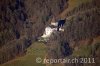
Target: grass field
x=34 y=51
x=72 y=4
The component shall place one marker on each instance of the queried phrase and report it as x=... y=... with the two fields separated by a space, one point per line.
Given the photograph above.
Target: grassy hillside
x=78 y=39
x=71 y=5
x=34 y=51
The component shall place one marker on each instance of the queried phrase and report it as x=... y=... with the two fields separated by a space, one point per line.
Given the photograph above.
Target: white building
x=48 y=32
x=54 y=23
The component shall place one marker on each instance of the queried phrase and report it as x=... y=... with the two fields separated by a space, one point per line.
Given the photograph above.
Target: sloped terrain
x=81 y=35
x=23 y=21
x=34 y=51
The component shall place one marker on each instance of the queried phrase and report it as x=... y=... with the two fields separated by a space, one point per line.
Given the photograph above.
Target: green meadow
x=29 y=59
